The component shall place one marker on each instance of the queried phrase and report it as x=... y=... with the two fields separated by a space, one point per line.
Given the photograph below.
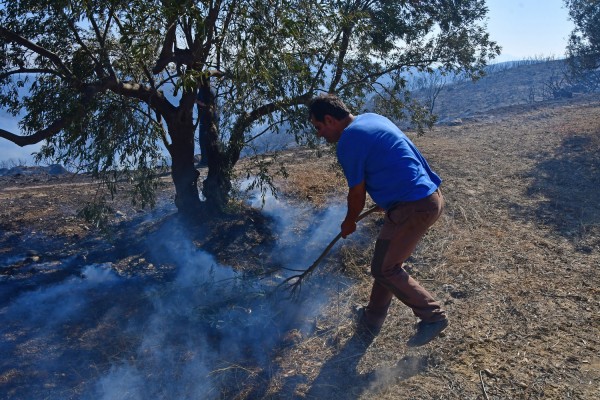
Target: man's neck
x=347 y=121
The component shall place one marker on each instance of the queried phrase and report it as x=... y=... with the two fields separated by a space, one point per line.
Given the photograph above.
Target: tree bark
x=183 y=171
x=205 y=102
x=217 y=185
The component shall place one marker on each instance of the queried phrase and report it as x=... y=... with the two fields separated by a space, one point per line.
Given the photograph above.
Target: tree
x=430 y=85
x=108 y=81
x=584 y=43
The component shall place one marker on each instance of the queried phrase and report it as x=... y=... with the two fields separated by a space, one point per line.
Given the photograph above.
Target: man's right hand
x=357 y=195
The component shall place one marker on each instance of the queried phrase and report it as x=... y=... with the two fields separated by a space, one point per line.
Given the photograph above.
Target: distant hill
x=506 y=84
x=54 y=169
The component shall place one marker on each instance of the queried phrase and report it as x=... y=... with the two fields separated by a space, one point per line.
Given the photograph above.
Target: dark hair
x=327 y=104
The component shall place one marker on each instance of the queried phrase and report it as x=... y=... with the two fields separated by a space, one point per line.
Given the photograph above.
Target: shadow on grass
x=339 y=378
x=567 y=184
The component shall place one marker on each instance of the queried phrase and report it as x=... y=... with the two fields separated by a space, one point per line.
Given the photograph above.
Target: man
x=377 y=158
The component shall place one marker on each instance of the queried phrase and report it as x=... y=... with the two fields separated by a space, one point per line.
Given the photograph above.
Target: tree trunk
x=217 y=185
x=183 y=172
x=205 y=99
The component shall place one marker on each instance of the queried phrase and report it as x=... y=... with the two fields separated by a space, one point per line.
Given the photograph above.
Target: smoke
x=102 y=335
x=213 y=324
x=47 y=306
x=405 y=368
x=302 y=233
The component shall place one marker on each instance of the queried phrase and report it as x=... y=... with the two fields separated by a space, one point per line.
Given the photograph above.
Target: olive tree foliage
x=584 y=43
x=106 y=83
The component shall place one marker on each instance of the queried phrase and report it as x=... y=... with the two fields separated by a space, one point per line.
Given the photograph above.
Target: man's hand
x=348 y=227
x=356 y=201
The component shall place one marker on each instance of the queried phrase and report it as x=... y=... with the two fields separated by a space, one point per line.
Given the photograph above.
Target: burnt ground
x=514 y=259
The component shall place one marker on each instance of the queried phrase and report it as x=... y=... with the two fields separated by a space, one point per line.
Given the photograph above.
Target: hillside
x=504 y=85
x=159 y=308
x=518 y=83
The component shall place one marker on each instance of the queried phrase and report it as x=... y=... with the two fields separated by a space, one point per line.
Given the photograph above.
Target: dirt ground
x=514 y=259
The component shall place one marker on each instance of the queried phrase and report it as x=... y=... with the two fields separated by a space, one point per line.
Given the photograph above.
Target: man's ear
x=328 y=119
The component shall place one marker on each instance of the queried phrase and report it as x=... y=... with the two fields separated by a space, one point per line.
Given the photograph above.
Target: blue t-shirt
x=372 y=148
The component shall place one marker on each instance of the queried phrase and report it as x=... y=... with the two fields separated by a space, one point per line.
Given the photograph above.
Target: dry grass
x=514 y=259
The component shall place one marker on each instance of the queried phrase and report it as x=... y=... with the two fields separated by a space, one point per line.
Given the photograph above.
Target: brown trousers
x=404 y=226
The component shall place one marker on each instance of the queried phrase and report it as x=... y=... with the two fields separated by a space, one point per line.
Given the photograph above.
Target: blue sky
x=524 y=29
x=529 y=28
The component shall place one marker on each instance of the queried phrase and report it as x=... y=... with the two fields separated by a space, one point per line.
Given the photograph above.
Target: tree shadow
x=566 y=183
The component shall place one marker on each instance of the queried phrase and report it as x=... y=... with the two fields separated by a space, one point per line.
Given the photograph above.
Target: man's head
x=330 y=116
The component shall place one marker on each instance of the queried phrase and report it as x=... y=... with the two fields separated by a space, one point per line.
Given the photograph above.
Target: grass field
x=514 y=259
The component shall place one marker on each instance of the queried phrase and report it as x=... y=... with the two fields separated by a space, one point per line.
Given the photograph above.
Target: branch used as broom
x=298 y=279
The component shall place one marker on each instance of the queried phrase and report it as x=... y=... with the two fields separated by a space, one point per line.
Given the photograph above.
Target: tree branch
x=378 y=74
x=225 y=28
x=55 y=127
x=18 y=39
x=150 y=96
x=28 y=71
x=236 y=142
x=153 y=98
x=324 y=62
x=210 y=25
x=154 y=121
x=299 y=278
x=346 y=33
x=102 y=42
x=142 y=65
x=110 y=13
x=166 y=54
x=266 y=130
x=97 y=62
x=43 y=134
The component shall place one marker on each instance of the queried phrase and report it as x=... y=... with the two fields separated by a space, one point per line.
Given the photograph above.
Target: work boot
x=366 y=323
x=426 y=332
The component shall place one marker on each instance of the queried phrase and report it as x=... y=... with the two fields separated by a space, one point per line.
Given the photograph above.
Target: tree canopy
x=107 y=84
x=584 y=42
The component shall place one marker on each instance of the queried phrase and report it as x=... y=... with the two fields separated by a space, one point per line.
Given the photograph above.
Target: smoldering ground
x=209 y=331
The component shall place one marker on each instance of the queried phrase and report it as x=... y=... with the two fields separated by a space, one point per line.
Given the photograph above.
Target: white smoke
x=53 y=305
x=211 y=318
x=302 y=233
x=183 y=339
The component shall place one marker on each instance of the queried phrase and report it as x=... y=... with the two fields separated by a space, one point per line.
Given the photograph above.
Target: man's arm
x=357 y=196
